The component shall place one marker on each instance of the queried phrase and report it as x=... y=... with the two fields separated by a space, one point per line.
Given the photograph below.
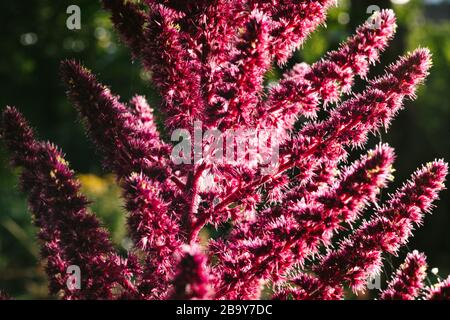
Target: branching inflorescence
x=208 y=60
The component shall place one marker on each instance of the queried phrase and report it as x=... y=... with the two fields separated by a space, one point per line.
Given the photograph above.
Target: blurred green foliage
x=34 y=39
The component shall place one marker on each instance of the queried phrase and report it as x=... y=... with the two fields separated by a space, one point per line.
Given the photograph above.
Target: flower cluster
x=409 y=279
x=70 y=235
x=440 y=291
x=308 y=228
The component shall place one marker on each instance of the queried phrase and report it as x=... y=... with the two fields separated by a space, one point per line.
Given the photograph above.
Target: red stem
x=192 y=189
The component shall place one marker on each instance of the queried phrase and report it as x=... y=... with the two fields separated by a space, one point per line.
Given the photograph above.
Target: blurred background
x=34 y=39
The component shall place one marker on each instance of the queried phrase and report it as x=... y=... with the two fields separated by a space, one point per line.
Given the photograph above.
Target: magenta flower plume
x=378 y=104
x=296 y=230
x=154 y=229
x=70 y=235
x=281 y=194
x=359 y=184
x=145 y=119
x=355 y=55
x=242 y=82
x=408 y=280
x=299 y=91
x=192 y=279
x=359 y=256
x=293 y=21
x=124 y=139
x=175 y=71
x=129 y=21
x=132 y=145
x=403 y=76
x=348 y=124
x=440 y=291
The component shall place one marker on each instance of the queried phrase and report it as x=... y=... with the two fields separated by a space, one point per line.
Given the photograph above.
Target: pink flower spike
x=191 y=280
x=408 y=280
x=359 y=256
x=440 y=291
x=70 y=234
